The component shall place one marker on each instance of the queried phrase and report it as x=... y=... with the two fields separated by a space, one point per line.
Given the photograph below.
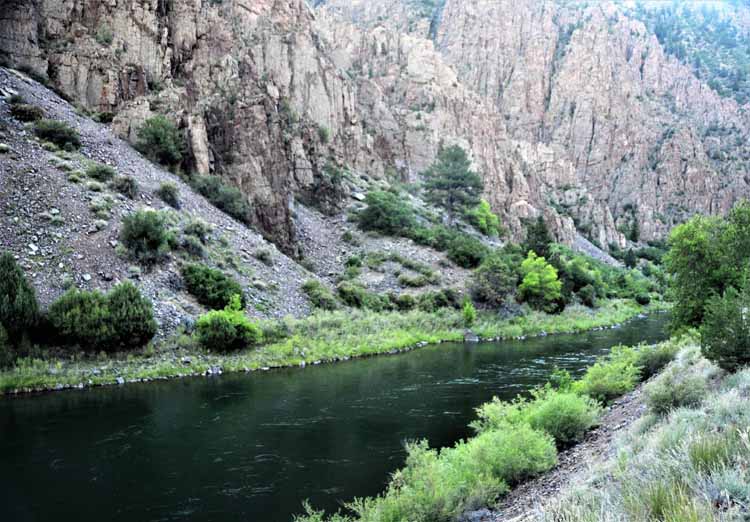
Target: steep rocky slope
x=594 y=90
x=572 y=110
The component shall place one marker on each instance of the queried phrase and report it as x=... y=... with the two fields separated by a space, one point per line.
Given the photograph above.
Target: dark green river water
x=253 y=447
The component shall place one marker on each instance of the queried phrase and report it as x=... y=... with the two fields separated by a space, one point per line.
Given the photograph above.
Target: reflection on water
x=253 y=447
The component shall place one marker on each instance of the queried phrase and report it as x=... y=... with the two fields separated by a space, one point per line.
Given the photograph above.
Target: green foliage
x=440 y=485
x=358 y=297
x=496 y=278
x=451 y=184
x=144 y=235
x=160 y=141
x=706 y=39
x=169 y=193
x=126 y=185
x=264 y=256
x=469 y=312
x=226 y=198
x=97 y=322
x=324 y=134
x=57 y=132
x=540 y=286
x=7 y=354
x=100 y=172
x=674 y=389
x=104 y=35
x=609 y=378
x=26 y=112
x=587 y=294
x=211 y=287
x=19 y=310
x=227 y=330
x=564 y=415
x=386 y=212
x=725 y=332
x=319 y=295
x=484 y=220
x=630 y=259
x=538 y=238
x=466 y=251
x=131 y=316
x=707 y=255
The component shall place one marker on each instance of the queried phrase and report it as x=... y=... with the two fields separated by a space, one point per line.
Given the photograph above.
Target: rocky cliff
x=573 y=110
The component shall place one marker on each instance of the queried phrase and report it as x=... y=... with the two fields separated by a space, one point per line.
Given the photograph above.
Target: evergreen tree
x=451 y=184
x=538 y=238
x=630 y=259
x=18 y=305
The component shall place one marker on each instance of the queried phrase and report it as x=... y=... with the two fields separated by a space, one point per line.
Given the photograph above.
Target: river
x=252 y=447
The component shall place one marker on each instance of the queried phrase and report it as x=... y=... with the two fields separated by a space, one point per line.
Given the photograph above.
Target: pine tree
x=538 y=238
x=451 y=184
x=18 y=305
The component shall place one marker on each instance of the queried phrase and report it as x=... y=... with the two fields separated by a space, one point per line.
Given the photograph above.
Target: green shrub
x=417 y=281
x=540 y=286
x=642 y=299
x=144 y=235
x=57 y=132
x=264 y=256
x=126 y=185
x=441 y=485
x=19 y=309
x=324 y=134
x=485 y=220
x=228 y=329
x=199 y=229
x=469 y=313
x=433 y=301
x=97 y=322
x=610 y=378
x=26 y=112
x=466 y=251
x=226 y=198
x=131 y=316
x=674 y=390
x=564 y=415
x=651 y=359
x=100 y=172
x=211 y=287
x=725 y=333
x=159 y=140
x=587 y=295
x=495 y=279
x=104 y=35
x=169 y=194
x=193 y=246
x=319 y=295
x=7 y=354
x=358 y=297
x=387 y=213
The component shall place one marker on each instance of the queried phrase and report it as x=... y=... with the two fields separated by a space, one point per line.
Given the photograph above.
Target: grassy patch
x=323 y=337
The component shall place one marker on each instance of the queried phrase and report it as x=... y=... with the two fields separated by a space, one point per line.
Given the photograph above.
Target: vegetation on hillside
x=705 y=38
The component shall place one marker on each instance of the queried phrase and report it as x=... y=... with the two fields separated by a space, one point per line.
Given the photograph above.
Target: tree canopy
x=451 y=184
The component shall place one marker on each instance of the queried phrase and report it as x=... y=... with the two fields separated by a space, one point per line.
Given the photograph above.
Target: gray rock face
x=572 y=112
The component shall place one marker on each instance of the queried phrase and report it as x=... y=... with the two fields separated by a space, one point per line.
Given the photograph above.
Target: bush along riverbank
x=687 y=459
x=322 y=338
x=514 y=441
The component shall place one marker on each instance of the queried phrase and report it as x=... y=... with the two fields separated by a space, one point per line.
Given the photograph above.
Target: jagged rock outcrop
x=568 y=109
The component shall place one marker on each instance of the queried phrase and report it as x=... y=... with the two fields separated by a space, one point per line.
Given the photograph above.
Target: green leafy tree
x=694 y=262
x=540 y=286
x=19 y=309
x=386 y=212
x=160 y=141
x=485 y=220
x=469 y=312
x=725 y=333
x=451 y=184
x=538 y=238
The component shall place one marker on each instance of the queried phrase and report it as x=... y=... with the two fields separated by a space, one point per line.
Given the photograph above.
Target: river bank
x=318 y=339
